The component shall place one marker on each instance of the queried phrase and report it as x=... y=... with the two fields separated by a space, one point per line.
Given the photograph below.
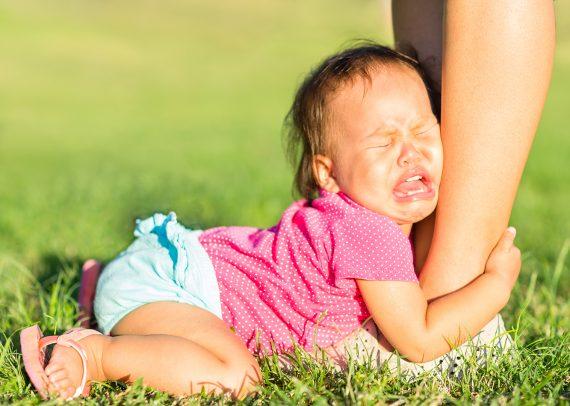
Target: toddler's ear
x=323 y=173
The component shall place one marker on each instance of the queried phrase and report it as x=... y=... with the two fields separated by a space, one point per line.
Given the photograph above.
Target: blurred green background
x=111 y=111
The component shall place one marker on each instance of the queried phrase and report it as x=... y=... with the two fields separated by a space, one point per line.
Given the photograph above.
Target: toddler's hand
x=505 y=259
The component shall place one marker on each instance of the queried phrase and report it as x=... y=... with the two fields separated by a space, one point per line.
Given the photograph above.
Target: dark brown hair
x=305 y=124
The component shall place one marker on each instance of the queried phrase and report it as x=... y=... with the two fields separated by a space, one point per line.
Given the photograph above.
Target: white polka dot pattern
x=295 y=282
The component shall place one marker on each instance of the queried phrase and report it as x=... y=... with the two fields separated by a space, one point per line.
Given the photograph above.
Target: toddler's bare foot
x=65 y=367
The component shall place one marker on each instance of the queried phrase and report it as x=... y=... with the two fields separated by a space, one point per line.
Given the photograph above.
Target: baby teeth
x=413 y=178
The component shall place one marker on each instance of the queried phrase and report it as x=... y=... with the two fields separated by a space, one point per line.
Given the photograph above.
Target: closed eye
x=427 y=129
x=383 y=144
x=383 y=141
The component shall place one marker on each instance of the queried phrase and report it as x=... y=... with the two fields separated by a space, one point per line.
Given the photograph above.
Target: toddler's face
x=387 y=149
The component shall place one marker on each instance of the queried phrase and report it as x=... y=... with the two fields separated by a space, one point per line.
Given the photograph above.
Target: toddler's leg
x=173 y=347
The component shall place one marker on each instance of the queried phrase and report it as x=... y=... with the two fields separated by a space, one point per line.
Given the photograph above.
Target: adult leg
x=173 y=347
x=497 y=60
x=418 y=32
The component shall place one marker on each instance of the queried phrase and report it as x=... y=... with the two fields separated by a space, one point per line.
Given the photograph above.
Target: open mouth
x=414 y=185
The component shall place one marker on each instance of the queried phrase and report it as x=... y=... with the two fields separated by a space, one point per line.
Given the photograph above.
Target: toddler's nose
x=408 y=155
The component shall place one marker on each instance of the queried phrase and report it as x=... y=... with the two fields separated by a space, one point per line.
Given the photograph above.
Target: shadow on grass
x=51 y=265
x=45 y=294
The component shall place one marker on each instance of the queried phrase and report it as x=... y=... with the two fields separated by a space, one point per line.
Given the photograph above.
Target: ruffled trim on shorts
x=193 y=269
x=170 y=235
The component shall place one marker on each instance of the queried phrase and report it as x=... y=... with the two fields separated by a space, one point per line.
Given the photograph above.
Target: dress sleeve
x=371 y=247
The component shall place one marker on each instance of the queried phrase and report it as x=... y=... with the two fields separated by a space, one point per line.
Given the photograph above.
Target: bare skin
x=448 y=321
x=184 y=350
x=485 y=148
x=369 y=167
x=494 y=85
x=497 y=61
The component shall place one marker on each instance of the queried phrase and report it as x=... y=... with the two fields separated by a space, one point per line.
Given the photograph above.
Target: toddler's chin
x=416 y=215
x=407 y=213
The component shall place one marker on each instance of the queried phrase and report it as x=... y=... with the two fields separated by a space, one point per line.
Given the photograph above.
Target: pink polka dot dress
x=294 y=283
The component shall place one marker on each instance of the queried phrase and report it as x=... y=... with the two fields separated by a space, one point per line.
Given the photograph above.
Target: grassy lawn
x=110 y=111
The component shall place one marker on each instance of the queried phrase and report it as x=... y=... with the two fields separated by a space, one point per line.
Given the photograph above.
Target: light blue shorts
x=166 y=262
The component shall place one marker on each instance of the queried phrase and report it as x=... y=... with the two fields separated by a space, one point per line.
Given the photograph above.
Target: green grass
x=114 y=110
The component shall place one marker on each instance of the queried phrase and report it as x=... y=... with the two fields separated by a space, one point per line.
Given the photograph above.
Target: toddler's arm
x=423 y=331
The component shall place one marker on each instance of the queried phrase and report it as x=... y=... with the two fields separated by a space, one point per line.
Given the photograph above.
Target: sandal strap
x=47 y=340
x=69 y=342
x=77 y=334
x=71 y=339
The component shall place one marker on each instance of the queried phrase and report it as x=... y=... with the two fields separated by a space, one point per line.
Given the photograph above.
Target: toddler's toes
x=59 y=358
x=45 y=379
x=54 y=388
x=64 y=370
x=63 y=388
x=66 y=388
x=53 y=367
x=57 y=376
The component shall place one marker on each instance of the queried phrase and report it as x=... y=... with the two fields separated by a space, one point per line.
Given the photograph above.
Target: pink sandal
x=33 y=351
x=89 y=277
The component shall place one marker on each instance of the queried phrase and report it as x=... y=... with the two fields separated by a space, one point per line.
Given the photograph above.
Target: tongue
x=405 y=187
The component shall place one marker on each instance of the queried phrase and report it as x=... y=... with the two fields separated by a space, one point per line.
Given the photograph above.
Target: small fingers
x=507 y=239
x=516 y=251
